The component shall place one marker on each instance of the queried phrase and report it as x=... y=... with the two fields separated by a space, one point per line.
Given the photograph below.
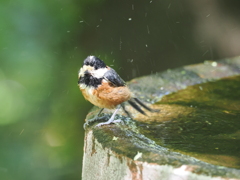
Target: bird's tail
x=135 y=102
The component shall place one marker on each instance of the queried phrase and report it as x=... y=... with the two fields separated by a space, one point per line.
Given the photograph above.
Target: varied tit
x=103 y=87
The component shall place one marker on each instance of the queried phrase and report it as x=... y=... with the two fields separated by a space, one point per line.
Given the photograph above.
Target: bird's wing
x=112 y=76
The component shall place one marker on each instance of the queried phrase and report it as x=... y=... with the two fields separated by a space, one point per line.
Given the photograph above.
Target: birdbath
x=196 y=134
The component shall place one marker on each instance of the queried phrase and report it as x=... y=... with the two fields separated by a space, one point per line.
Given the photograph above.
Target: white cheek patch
x=99 y=72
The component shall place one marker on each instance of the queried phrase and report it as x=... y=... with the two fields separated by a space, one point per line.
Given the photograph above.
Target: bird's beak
x=87 y=72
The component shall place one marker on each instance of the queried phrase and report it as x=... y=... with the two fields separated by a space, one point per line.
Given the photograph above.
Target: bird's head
x=92 y=72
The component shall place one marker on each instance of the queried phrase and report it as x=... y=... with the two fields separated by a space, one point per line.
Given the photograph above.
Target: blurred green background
x=43 y=44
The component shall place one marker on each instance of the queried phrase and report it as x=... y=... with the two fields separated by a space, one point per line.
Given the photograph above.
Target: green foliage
x=42 y=110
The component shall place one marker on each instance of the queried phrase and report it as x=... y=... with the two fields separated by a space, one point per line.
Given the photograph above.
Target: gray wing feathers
x=112 y=76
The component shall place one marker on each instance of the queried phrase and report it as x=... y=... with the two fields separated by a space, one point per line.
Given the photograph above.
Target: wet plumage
x=103 y=87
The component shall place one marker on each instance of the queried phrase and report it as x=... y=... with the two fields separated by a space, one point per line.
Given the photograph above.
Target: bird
x=102 y=86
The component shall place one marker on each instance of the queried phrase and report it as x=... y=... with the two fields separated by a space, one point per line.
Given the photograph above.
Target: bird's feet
x=91 y=121
x=109 y=122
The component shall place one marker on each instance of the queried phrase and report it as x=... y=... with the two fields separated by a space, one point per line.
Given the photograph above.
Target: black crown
x=94 y=62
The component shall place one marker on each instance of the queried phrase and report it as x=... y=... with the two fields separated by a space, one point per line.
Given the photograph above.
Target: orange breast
x=106 y=96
